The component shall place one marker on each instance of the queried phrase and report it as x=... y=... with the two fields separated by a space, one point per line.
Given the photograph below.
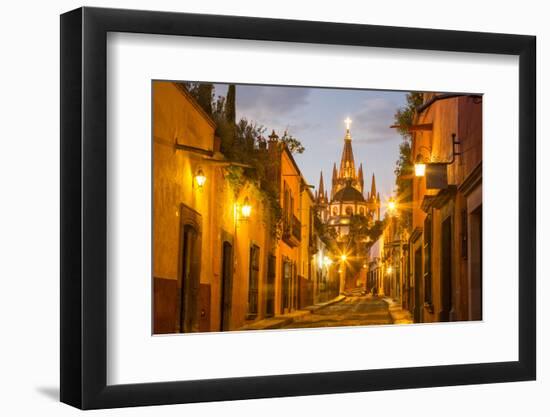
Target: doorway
x=475 y=257
x=417 y=287
x=189 y=282
x=270 y=287
x=226 y=286
x=446 y=270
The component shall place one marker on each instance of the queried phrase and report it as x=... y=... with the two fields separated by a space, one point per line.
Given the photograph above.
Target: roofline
x=444 y=96
x=302 y=178
x=194 y=102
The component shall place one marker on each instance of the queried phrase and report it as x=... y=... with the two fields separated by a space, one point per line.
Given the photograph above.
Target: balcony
x=292 y=231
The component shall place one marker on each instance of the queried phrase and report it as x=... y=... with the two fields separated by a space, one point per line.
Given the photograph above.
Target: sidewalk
x=284 y=320
x=397 y=313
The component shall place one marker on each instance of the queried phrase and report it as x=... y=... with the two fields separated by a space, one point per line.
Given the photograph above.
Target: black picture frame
x=84 y=207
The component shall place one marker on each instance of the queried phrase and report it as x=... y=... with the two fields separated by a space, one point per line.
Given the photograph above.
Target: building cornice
x=439 y=200
x=472 y=181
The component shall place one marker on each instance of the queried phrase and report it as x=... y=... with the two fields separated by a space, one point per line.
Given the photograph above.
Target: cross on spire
x=348 y=123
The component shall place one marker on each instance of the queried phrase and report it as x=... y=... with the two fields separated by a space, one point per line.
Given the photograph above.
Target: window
x=349 y=211
x=253 y=274
x=287 y=277
x=286 y=203
x=270 y=287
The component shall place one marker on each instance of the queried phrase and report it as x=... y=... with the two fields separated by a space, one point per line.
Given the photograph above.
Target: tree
x=293 y=144
x=205 y=95
x=240 y=142
x=230 y=113
x=404 y=119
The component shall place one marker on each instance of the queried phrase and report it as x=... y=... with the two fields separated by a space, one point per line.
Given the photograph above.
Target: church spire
x=321 y=190
x=347 y=163
x=373 y=192
x=360 y=177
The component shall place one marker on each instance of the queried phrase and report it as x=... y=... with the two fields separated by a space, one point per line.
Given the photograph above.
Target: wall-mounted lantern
x=419 y=166
x=246 y=209
x=200 y=178
x=421 y=162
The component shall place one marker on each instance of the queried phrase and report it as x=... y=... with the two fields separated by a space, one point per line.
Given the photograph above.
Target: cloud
x=372 y=122
x=269 y=103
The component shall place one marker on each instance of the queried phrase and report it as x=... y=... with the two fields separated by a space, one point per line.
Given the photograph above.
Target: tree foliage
x=362 y=228
x=243 y=141
x=293 y=144
x=404 y=119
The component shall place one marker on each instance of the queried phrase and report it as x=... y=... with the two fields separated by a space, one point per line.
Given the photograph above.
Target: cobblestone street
x=355 y=310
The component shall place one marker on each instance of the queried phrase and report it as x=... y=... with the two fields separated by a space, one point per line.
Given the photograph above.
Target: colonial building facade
x=217 y=263
x=443 y=274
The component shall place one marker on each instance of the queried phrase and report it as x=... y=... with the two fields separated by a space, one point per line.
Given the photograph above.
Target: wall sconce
x=246 y=209
x=200 y=178
x=420 y=162
x=419 y=166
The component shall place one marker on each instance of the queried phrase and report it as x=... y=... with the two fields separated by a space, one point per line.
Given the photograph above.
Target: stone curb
x=397 y=313
x=280 y=321
x=320 y=306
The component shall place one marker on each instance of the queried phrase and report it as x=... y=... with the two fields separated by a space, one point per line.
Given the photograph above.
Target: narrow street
x=355 y=310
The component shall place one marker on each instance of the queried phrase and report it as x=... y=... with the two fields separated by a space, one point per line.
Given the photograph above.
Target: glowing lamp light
x=343 y=257
x=246 y=209
x=320 y=262
x=420 y=169
x=200 y=178
x=419 y=166
x=392 y=205
x=327 y=261
x=389 y=270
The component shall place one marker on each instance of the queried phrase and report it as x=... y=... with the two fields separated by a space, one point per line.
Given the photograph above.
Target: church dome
x=348 y=193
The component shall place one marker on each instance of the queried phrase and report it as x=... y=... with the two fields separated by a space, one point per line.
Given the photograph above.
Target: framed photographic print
x=257 y=208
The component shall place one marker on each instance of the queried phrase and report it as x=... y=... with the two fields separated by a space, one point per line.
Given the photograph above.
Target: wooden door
x=417 y=285
x=446 y=271
x=226 y=286
x=190 y=279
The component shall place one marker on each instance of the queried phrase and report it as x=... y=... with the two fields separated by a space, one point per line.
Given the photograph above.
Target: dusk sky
x=316 y=117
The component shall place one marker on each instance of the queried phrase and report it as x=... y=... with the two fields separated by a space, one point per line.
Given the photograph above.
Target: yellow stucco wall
x=177 y=120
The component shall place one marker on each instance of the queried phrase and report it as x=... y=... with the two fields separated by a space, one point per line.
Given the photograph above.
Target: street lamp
x=392 y=205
